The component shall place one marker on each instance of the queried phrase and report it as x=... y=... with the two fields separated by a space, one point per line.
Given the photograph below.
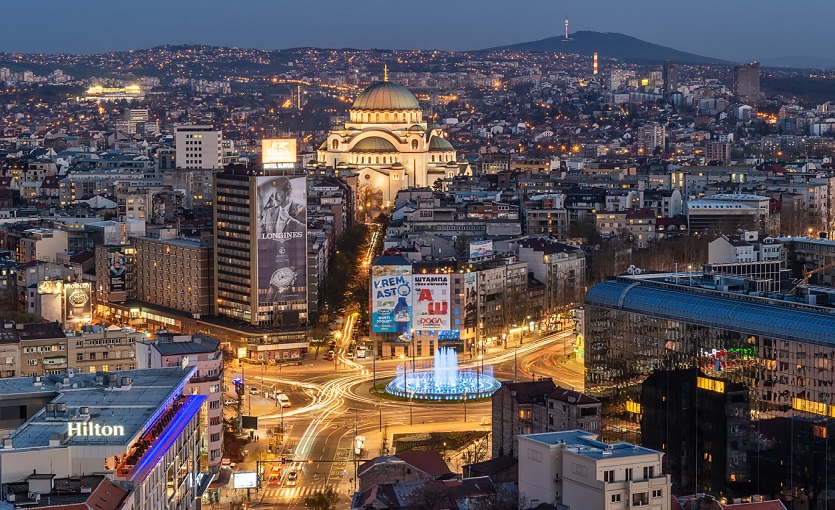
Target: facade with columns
x=387 y=144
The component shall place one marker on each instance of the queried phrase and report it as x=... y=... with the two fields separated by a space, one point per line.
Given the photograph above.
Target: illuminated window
x=414 y=144
x=335 y=144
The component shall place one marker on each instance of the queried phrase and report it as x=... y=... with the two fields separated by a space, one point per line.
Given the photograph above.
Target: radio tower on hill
x=566 y=29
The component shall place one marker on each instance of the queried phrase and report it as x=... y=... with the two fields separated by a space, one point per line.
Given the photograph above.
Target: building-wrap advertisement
x=282 y=239
x=431 y=302
x=391 y=299
x=470 y=300
x=78 y=302
x=117 y=270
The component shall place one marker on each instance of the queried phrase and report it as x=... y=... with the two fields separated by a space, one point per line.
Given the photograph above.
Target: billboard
x=282 y=238
x=431 y=302
x=481 y=249
x=117 y=270
x=245 y=480
x=470 y=300
x=77 y=302
x=50 y=287
x=391 y=299
x=278 y=150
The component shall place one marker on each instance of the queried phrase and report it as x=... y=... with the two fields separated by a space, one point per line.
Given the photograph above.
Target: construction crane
x=808 y=274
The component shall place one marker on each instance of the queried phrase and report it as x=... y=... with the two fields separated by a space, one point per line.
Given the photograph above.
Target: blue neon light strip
x=167 y=439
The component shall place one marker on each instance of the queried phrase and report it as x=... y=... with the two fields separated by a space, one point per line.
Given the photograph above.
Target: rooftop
x=130 y=399
x=713 y=309
x=586 y=445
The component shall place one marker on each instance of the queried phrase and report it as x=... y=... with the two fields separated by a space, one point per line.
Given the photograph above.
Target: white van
x=283 y=400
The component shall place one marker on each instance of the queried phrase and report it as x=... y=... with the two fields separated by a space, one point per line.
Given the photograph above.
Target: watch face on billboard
x=278 y=150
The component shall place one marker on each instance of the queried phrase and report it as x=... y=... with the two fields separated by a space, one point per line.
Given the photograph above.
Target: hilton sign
x=94 y=429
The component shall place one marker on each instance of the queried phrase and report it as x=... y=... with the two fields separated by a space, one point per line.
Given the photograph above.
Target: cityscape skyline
x=656 y=22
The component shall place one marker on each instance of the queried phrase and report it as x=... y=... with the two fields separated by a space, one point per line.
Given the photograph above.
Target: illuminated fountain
x=444 y=380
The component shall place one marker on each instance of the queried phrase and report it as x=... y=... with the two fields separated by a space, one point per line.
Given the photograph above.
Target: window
x=627 y=474
x=104 y=355
x=609 y=476
x=79 y=357
x=214 y=404
x=414 y=144
x=640 y=499
x=335 y=144
x=215 y=437
x=615 y=498
x=656 y=493
x=649 y=472
x=32 y=362
x=92 y=356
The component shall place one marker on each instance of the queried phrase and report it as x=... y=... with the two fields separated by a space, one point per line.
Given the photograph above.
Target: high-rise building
x=175 y=273
x=261 y=247
x=746 y=86
x=198 y=147
x=650 y=136
x=669 y=79
x=135 y=116
x=718 y=151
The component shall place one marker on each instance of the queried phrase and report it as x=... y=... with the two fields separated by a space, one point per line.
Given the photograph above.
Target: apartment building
x=572 y=470
x=175 y=273
x=198 y=146
x=103 y=350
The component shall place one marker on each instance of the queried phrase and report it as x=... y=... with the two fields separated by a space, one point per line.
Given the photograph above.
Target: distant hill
x=800 y=62
x=612 y=45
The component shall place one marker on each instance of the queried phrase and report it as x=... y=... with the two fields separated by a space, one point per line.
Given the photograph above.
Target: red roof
x=775 y=504
x=642 y=213
x=574 y=397
x=429 y=462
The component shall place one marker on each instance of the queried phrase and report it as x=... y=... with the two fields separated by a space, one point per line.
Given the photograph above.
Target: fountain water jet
x=444 y=381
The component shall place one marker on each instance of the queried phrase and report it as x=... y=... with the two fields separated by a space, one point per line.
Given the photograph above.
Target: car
x=350 y=355
x=230 y=402
x=283 y=400
x=273 y=480
x=253 y=390
x=292 y=478
x=276 y=468
x=227 y=463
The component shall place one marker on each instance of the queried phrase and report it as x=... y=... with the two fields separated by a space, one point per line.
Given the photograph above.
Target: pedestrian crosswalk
x=293 y=492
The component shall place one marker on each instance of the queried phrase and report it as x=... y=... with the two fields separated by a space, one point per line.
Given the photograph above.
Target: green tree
x=322 y=500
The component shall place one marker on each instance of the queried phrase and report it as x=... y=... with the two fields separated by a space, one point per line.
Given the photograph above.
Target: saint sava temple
x=388 y=144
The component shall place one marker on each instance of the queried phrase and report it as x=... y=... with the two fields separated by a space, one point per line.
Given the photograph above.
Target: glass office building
x=735 y=388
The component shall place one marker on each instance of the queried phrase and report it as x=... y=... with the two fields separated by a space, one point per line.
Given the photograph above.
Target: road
x=332 y=402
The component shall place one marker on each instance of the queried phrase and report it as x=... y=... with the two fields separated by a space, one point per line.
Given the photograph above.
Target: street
x=332 y=403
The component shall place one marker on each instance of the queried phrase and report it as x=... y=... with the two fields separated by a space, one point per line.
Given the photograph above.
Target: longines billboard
x=282 y=239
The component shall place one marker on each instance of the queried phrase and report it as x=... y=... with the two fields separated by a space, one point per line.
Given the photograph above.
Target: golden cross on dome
x=385 y=72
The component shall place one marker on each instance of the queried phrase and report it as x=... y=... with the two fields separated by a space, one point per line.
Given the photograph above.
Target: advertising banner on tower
x=431 y=302
x=282 y=238
x=391 y=299
x=470 y=300
x=77 y=302
x=117 y=270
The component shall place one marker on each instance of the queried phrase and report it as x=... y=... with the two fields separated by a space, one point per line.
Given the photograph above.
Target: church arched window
x=335 y=143
x=395 y=117
x=433 y=158
x=363 y=160
x=377 y=160
x=387 y=117
x=377 y=117
x=414 y=144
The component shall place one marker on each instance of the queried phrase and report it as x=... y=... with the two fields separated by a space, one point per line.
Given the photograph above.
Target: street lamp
x=411 y=394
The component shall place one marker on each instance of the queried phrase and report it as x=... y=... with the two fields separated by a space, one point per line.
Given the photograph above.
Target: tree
x=438 y=185
x=476 y=451
x=322 y=500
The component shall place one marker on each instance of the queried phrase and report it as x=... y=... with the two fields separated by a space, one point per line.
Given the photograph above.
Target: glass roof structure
x=769 y=320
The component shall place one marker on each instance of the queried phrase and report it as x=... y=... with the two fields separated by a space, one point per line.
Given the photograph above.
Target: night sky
x=736 y=30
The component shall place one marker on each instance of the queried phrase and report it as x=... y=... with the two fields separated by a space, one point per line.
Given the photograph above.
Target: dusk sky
x=736 y=30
